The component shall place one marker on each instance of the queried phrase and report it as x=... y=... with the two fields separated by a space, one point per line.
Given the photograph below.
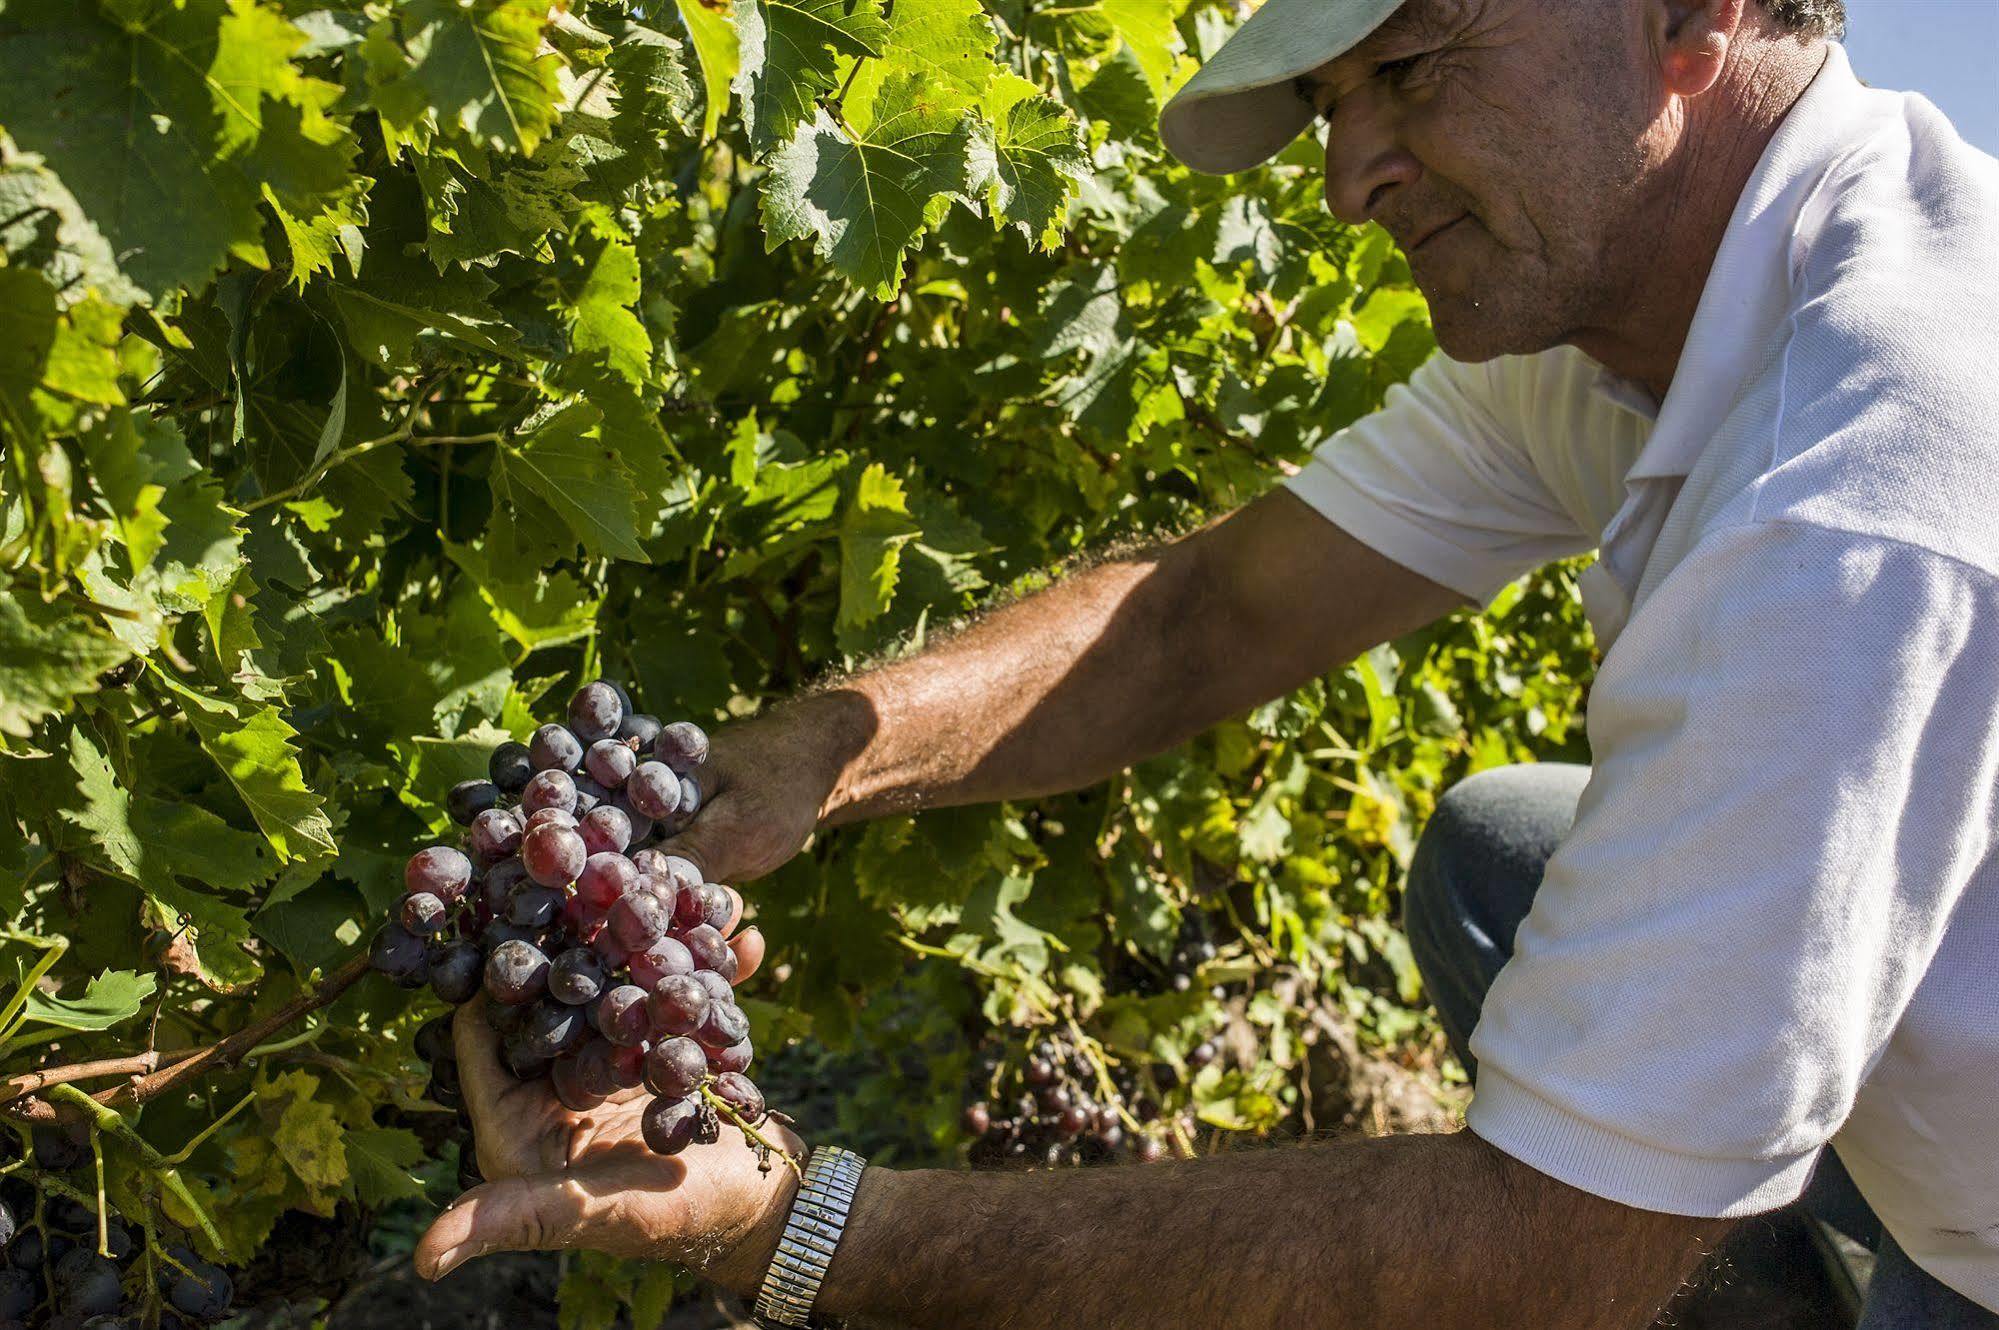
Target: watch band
x=811 y=1235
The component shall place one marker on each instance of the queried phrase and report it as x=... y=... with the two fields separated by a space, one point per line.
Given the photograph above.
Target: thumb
x=517 y=1214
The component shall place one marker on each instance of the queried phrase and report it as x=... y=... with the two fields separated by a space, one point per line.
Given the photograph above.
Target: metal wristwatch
x=811 y=1235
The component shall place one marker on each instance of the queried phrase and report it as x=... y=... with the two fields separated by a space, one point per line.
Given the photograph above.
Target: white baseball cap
x=1243 y=107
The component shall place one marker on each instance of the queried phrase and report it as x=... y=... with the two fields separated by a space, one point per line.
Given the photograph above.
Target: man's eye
x=1395 y=69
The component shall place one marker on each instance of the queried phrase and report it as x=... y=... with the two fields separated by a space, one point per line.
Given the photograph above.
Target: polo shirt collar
x=1747 y=297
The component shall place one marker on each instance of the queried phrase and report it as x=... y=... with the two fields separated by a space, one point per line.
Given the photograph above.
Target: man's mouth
x=1436 y=231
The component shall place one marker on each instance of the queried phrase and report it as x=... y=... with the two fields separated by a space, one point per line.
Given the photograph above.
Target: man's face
x=1505 y=145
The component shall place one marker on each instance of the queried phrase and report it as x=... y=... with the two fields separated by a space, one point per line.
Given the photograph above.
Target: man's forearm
x=1438 y=1232
x=1115 y=663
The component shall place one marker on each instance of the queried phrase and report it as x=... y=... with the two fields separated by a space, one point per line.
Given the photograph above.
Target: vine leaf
x=45 y=661
x=864 y=198
x=566 y=465
x=948 y=44
x=873 y=530
x=108 y=999
x=1027 y=166
x=789 y=52
x=380 y=1159
x=476 y=67
x=253 y=746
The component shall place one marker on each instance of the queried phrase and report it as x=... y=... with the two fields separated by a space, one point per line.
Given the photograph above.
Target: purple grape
x=653 y=790
x=683 y=872
x=605 y=877
x=736 y=1057
x=535 y=907
x=554 y=748
x=606 y=829
x=510 y=766
x=456 y=970
x=499 y=884
x=637 y=920
x=706 y=946
x=439 y=871
x=576 y=976
x=723 y=1025
x=596 y=1068
x=640 y=730
x=690 y=798
x=495 y=834
x=590 y=795
x=609 y=762
x=682 y=745
x=553 y=1029
x=422 y=914
x=501 y=931
x=552 y=817
x=595 y=712
x=570 y=1081
x=628 y=1067
x=718 y=987
x=676 y=1006
x=433 y=1038
x=400 y=956
x=669 y=1125
x=521 y=1059
x=553 y=855
x=718 y=907
x=516 y=973
x=675 y=1066
x=549 y=789
x=643 y=827
x=654 y=962
x=621 y=1016
x=740 y=1093
x=469 y=798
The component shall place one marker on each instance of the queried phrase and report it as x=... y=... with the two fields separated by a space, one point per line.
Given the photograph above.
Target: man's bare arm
x=1120 y=662
x=1437 y=1232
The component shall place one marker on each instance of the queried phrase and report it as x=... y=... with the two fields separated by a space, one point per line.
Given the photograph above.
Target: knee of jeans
x=1481 y=852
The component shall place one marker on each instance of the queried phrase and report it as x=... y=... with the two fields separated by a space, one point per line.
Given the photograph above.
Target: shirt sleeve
x=1441 y=483
x=1796 y=775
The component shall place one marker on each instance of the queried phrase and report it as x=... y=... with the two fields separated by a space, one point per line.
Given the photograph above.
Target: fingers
x=478 y=1048
x=533 y=1213
x=749 y=948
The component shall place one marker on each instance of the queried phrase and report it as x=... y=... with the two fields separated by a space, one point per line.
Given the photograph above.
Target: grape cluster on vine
x=65 y=1272
x=603 y=959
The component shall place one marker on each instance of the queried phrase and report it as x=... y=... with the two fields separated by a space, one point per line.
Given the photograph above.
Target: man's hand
x=767 y=783
x=557 y=1179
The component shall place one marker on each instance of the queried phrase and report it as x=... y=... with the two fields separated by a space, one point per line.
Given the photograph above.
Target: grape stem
x=728 y=1110
x=21 y=1102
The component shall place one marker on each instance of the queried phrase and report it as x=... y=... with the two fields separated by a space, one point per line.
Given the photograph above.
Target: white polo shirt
x=1775 y=923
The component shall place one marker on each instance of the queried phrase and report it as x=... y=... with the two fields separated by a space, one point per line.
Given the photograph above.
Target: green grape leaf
x=308 y=1135
x=379 y=1160
x=947 y=44
x=108 y=999
x=477 y=68
x=715 y=45
x=789 y=53
x=43 y=227
x=873 y=530
x=596 y=300
x=540 y=609
x=862 y=200
x=1027 y=167
x=46 y=659
x=563 y=462
x=253 y=747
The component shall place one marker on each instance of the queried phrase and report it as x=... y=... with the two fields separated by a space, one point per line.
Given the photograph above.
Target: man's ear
x=1692 y=40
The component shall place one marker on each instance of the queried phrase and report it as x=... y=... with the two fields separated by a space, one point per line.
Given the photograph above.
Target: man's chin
x=1472 y=330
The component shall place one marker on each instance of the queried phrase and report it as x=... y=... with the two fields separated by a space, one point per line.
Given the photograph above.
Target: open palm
x=563 y=1179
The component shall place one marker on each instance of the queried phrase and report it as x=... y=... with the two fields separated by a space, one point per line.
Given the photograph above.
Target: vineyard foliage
x=372 y=374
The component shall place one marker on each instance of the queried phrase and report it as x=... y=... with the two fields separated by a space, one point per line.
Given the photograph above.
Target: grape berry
x=603 y=958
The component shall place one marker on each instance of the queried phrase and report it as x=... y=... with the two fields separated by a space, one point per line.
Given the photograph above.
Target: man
x=1709 y=305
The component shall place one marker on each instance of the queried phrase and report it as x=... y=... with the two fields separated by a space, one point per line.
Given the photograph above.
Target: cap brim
x=1242 y=107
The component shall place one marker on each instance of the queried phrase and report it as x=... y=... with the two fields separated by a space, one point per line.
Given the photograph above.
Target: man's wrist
x=844 y=1292
x=838 y=725
x=741 y=1268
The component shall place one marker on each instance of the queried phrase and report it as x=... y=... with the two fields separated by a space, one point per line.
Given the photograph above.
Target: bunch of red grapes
x=603 y=959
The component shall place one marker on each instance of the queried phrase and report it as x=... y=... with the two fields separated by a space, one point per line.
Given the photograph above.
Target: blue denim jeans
x=1476 y=869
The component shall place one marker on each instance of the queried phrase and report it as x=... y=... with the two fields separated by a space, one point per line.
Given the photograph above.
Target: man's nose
x=1365 y=160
